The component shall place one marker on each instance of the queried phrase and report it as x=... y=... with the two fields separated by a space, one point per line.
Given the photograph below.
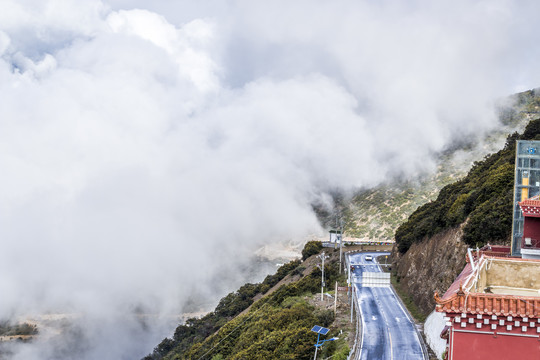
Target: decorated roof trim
x=533 y=201
x=460 y=299
x=490 y=304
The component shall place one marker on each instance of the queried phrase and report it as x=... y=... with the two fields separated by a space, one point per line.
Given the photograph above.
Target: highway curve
x=388 y=333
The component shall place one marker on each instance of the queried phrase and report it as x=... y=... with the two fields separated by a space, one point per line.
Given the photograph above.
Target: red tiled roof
x=496 y=254
x=500 y=251
x=534 y=201
x=458 y=300
x=496 y=248
x=460 y=280
x=490 y=304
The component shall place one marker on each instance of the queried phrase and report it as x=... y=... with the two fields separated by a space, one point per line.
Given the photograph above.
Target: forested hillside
x=432 y=243
x=274 y=321
x=376 y=213
x=276 y=326
x=483 y=198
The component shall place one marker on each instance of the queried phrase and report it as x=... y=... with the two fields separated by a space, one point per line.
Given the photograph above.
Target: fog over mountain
x=148 y=146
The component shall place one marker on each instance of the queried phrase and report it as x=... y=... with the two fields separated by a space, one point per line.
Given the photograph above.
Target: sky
x=147 y=147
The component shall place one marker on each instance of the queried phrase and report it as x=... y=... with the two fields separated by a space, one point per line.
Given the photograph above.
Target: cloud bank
x=147 y=146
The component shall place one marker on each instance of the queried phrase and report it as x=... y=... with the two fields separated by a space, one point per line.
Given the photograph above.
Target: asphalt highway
x=387 y=331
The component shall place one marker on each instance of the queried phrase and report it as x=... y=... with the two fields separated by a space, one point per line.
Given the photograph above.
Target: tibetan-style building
x=492 y=309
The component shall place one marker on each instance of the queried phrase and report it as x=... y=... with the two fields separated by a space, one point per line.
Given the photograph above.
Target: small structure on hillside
x=492 y=309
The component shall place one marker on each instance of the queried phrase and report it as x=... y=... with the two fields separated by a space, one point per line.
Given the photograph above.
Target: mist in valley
x=150 y=148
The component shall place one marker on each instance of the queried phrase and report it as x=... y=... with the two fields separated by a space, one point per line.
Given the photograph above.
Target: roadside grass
x=409 y=303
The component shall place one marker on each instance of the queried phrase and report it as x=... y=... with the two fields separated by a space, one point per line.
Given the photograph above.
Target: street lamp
x=322 y=257
x=321 y=331
x=340 y=242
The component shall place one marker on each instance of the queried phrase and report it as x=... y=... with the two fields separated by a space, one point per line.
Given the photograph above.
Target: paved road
x=388 y=333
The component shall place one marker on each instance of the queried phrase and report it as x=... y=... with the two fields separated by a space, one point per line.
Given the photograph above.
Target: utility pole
x=349 y=275
x=322 y=276
x=335 y=300
x=340 y=243
x=352 y=303
x=322 y=256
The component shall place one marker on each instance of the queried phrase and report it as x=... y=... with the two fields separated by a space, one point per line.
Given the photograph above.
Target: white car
x=369 y=257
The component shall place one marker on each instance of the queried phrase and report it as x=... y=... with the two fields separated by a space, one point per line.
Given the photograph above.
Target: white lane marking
x=391 y=349
x=359 y=297
x=359 y=308
x=397 y=319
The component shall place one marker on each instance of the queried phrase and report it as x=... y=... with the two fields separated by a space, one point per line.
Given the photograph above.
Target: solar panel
x=320 y=330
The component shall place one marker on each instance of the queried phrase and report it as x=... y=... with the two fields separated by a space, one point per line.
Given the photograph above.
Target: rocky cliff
x=430 y=265
x=431 y=244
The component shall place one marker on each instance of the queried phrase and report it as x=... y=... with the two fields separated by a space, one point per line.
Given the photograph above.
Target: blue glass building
x=526 y=185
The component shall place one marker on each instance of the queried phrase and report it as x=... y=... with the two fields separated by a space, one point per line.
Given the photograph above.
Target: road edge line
x=413 y=321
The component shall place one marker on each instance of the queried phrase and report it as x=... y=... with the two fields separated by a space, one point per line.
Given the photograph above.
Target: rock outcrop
x=430 y=265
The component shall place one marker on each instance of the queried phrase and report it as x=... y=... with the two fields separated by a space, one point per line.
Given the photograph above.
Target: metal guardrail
x=353 y=354
x=328 y=244
x=358 y=318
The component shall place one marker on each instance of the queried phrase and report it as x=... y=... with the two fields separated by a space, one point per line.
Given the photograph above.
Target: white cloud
x=139 y=144
x=181 y=44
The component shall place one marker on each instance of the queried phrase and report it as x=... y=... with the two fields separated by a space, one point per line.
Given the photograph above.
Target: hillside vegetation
x=9 y=329
x=276 y=326
x=483 y=198
x=272 y=320
x=376 y=213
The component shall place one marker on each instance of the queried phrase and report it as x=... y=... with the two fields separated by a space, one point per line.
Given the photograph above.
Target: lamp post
x=340 y=243
x=321 y=331
x=322 y=256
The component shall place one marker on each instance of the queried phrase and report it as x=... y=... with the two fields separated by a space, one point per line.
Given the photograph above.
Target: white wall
x=432 y=329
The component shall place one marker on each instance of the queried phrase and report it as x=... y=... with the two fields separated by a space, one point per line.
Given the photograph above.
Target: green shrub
x=484 y=197
x=311 y=248
x=194 y=331
x=342 y=353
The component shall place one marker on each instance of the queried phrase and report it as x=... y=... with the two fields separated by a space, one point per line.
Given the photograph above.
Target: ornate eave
x=489 y=304
x=530 y=207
